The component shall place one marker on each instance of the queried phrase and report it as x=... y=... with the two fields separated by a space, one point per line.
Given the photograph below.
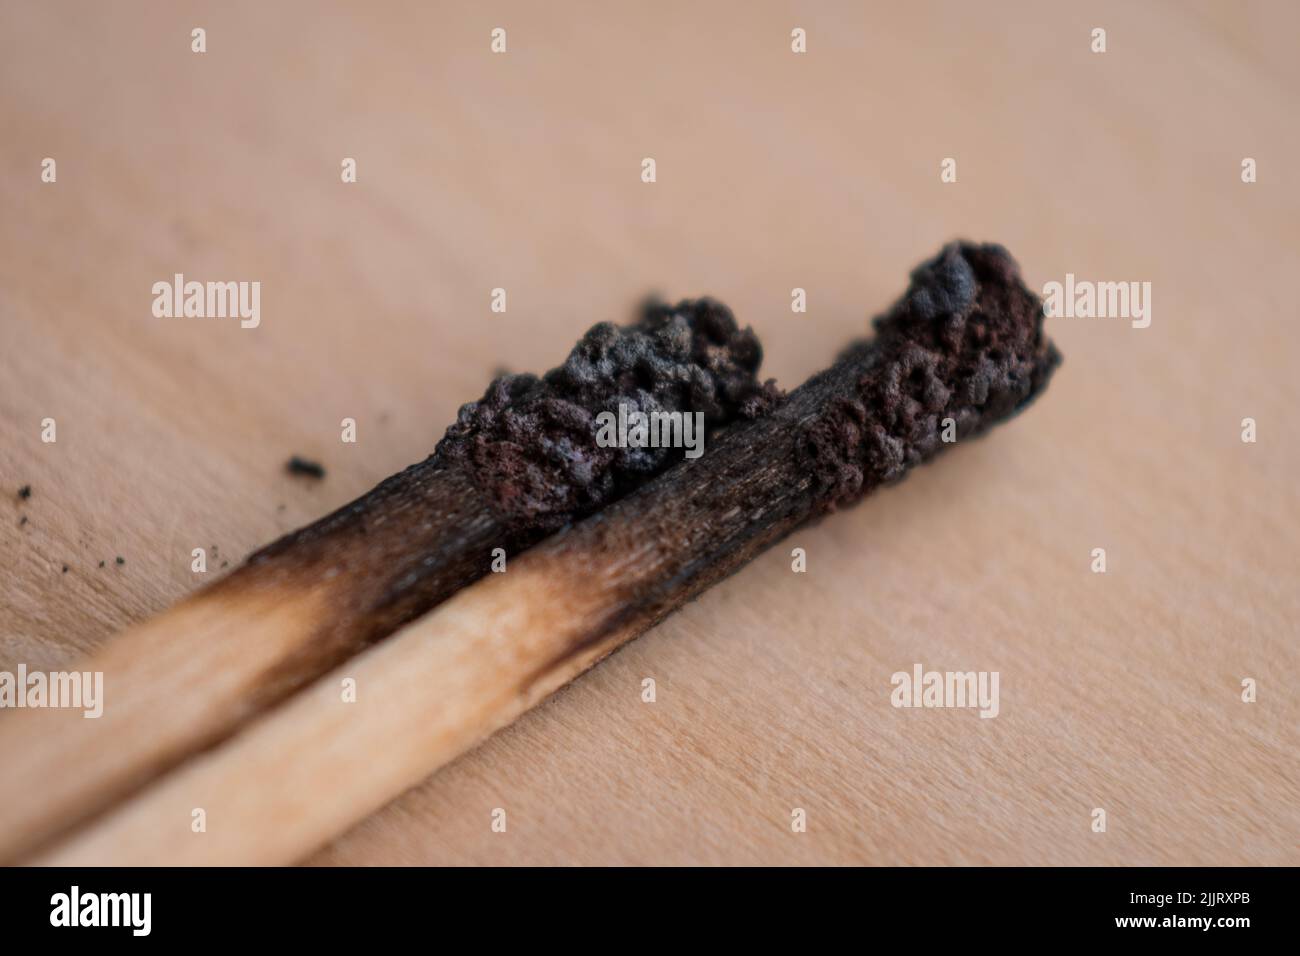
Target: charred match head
x=531 y=443
x=962 y=349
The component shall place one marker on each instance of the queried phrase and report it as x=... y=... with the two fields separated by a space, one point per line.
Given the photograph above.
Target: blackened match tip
x=530 y=442
x=963 y=349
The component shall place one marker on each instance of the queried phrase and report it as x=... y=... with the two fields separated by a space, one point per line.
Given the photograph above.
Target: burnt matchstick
x=518 y=464
x=963 y=349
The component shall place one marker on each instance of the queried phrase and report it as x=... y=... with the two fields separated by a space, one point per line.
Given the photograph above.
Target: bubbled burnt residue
x=530 y=443
x=965 y=342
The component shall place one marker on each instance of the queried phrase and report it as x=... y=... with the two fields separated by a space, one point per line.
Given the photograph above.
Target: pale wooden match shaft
x=189 y=677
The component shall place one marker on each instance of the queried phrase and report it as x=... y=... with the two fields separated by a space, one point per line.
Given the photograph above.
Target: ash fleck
x=120 y=559
x=25 y=492
x=305 y=467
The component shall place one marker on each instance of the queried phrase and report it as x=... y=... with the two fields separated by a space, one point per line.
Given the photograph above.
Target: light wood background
x=1119 y=691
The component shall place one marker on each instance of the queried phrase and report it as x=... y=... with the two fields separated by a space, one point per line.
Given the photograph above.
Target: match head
x=962 y=350
x=531 y=443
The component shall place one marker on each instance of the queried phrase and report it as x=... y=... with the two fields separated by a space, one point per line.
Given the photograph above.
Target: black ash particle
x=120 y=559
x=25 y=492
x=305 y=467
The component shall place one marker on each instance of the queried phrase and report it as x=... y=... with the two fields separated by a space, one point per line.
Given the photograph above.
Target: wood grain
x=1119 y=691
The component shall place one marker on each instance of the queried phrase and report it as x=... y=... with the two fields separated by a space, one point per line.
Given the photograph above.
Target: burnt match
x=962 y=351
x=518 y=464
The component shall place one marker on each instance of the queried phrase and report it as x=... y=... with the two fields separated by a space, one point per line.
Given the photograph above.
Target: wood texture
x=1119 y=691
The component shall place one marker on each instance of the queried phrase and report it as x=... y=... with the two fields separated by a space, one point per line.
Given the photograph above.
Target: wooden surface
x=775 y=170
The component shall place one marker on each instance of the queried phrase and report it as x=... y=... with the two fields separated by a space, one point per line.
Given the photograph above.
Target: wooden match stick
x=964 y=349
x=518 y=464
